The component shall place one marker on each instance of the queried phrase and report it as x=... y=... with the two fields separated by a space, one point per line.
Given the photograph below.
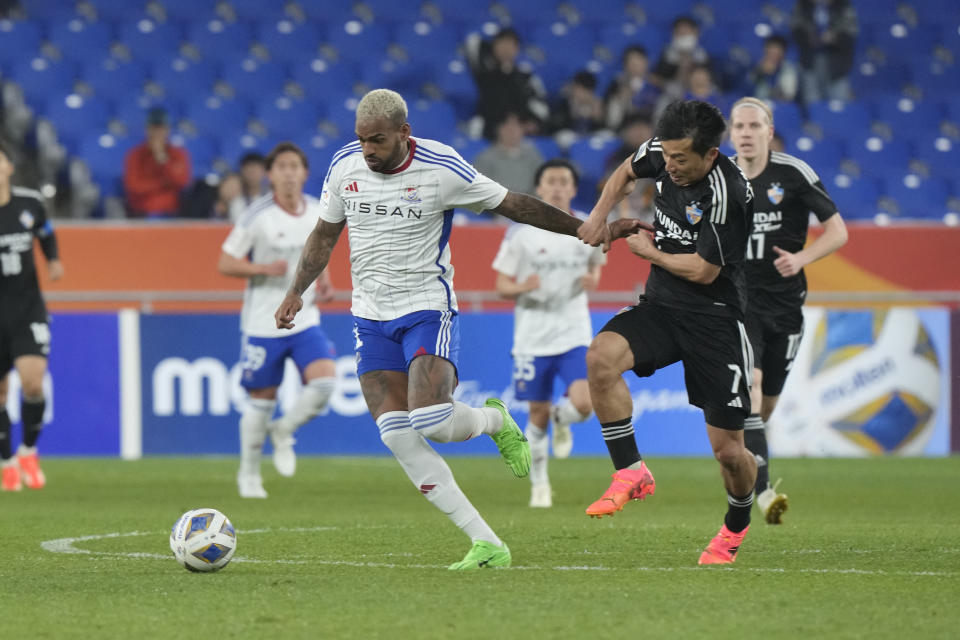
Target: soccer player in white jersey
x=263 y=247
x=396 y=194
x=549 y=277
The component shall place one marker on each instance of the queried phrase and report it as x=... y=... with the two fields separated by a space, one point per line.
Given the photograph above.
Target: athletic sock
x=6 y=449
x=253 y=431
x=738 y=512
x=564 y=411
x=32 y=413
x=539 y=445
x=430 y=474
x=755 y=439
x=309 y=404
x=621 y=442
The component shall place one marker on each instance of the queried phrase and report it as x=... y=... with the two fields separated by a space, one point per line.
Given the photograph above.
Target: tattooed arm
x=520 y=207
x=313 y=260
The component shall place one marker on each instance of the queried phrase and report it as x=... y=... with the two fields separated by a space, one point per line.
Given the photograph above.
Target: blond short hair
x=756 y=103
x=382 y=104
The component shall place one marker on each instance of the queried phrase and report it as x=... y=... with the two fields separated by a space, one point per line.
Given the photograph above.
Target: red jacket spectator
x=155 y=172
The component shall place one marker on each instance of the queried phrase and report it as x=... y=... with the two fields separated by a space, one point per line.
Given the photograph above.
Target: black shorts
x=775 y=341
x=716 y=356
x=26 y=334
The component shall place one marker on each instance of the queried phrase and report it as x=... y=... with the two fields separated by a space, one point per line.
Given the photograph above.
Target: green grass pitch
x=349 y=549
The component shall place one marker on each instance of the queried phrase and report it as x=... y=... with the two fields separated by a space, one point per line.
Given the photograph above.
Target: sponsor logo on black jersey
x=694 y=212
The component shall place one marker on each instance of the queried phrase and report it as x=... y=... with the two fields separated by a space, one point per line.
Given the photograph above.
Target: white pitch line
x=68 y=545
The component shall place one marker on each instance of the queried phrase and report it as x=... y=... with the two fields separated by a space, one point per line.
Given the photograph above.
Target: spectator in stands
x=580 y=110
x=680 y=55
x=253 y=178
x=774 y=77
x=702 y=87
x=512 y=160
x=825 y=32
x=636 y=130
x=502 y=87
x=632 y=91
x=155 y=172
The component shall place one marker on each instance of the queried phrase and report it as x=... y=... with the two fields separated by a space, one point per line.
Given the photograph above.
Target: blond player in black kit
x=786 y=190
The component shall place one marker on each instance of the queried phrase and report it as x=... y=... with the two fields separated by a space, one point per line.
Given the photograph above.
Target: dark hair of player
x=556 y=163
x=284 y=147
x=700 y=121
x=252 y=157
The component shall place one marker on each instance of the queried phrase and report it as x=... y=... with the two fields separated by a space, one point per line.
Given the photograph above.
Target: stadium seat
x=940 y=153
x=113 y=78
x=19 y=38
x=80 y=38
x=147 y=39
x=118 y=9
x=423 y=41
x=235 y=146
x=253 y=78
x=73 y=115
x=908 y=117
x=547 y=147
x=469 y=14
x=218 y=39
x=288 y=41
x=823 y=155
x=404 y=76
x=570 y=47
x=617 y=37
x=933 y=76
x=610 y=12
x=183 y=78
x=285 y=117
x=38 y=75
x=856 y=198
x=455 y=83
x=217 y=116
x=432 y=119
x=185 y=10
x=203 y=151
x=841 y=119
x=918 y=198
x=787 y=119
x=316 y=76
x=874 y=154
x=104 y=154
x=355 y=41
x=589 y=155
x=132 y=110
x=869 y=78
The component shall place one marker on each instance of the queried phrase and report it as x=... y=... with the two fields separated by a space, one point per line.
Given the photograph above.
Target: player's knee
x=601 y=367
x=434 y=422
x=731 y=454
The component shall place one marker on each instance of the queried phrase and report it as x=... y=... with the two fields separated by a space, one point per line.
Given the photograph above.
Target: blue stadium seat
x=589 y=155
x=48 y=9
x=609 y=12
x=235 y=146
x=132 y=110
x=80 y=38
x=940 y=153
x=217 y=116
x=856 y=198
x=547 y=147
x=933 y=76
x=787 y=119
x=358 y=42
x=895 y=37
x=617 y=37
x=908 y=117
x=316 y=76
x=875 y=155
x=393 y=11
x=104 y=154
x=183 y=78
x=113 y=78
x=468 y=148
x=256 y=10
x=285 y=117
x=836 y=118
x=404 y=76
x=869 y=78
x=218 y=39
x=254 y=78
x=288 y=41
x=565 y=45
x=432 y=119
x=823 y=155
x=147 y=39
x=203 y=151
x=73 y=115
x=19 y=38
x=470 y=14
x=187 y=10
x=455 y=82
x=118 y=9
x=919 y=198
x=422 y=41
x=533 y=11
x=39 y=75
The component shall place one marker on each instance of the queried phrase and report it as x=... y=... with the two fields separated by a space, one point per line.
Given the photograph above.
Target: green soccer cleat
x=513 y=445
x=483 y=555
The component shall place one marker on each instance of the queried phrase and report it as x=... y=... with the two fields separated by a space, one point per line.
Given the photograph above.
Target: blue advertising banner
x=192 y=397
x=82 y=388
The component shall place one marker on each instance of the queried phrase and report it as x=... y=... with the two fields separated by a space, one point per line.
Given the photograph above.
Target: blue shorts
x=263 y=359
x=391 y=345
x=533 y=375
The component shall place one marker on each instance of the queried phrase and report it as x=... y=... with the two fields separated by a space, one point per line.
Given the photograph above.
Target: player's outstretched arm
x=618 y=186
x=833 y=237
x=313 y=260
x=521 y=207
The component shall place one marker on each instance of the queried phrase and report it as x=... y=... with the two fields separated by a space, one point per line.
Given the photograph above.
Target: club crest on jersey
x=411 y=194
x=26 y=219
x=775 y=193
x=694 y=213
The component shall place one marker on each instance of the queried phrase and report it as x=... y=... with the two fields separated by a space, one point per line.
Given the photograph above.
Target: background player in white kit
x=397 y=194
x=549 y=277
x=263 y=247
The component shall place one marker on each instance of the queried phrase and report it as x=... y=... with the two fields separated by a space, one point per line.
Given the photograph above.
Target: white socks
x=431 y=475
x=253 y=431
x=311 y=401
x=455 y=422
x=539 y=452
x=564 y=411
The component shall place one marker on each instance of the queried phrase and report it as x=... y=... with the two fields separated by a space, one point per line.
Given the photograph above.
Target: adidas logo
x=353 y=187
x=427 y=488
x=420 y=352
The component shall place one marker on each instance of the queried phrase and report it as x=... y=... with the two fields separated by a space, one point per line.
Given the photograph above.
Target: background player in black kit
x=786 y=190
x=692 y=310
x=24 y=326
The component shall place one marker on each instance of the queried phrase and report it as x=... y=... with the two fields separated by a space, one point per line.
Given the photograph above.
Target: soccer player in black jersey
x=24 y=327
x=786 y=190
x=692 y=310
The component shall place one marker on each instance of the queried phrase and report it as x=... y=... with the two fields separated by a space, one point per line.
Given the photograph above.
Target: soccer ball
x=865 y=382
x=203 y=540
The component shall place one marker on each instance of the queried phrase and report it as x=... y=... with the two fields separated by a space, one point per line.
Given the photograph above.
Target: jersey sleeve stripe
x=449 y=158
x=723 y=261
x=792 y=161
x=256 y=207
x=718 y=185
x=452 y=167
x=27 y=193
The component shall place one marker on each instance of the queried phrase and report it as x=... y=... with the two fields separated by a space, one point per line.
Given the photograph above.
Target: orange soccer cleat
x=628 y=484
x=10 y=477
x=724 y=547
x=30 y=469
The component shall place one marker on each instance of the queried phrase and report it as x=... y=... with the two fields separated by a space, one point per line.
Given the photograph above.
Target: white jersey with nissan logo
x=399 y=225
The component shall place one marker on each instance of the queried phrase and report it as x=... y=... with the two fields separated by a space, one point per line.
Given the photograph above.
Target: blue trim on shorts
x=537 y=385
x=263 y=359
x=391 y=345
